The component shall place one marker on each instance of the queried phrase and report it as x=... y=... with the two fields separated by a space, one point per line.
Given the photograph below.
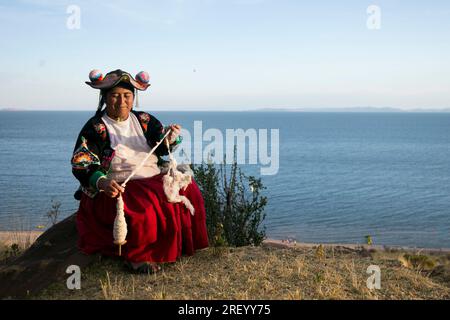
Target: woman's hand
x=110 y=187
x=176 y=129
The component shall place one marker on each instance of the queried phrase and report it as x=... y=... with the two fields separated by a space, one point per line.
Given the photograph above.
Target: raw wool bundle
x=175 y=180
x=184 y=168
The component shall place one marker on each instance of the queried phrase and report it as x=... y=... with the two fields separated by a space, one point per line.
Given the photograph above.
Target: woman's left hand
x=176 y=129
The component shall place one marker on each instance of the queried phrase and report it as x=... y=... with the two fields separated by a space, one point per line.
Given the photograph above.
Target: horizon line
x=266 y=109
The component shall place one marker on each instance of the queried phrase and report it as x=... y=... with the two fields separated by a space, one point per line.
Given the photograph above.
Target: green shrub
x=233 y=203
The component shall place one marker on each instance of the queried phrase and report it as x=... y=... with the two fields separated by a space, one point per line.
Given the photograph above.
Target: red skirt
x=158 y=231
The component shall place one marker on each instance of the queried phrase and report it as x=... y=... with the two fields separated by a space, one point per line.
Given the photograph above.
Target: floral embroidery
x=108 y=155
x=83 y=157
x=145 y=119
x=101 y=130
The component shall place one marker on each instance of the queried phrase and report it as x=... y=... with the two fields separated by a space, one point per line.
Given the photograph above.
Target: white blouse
x=130 y=145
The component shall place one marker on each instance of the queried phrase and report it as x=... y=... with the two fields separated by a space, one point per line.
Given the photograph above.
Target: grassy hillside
x=269 y=273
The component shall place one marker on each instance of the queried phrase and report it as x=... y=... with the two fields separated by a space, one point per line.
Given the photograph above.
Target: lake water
x=341 y=176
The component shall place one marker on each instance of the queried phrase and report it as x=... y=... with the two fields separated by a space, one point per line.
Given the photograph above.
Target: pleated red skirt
x=158 y=231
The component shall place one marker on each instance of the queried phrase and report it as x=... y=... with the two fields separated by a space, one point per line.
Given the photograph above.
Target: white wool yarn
x=120 y=225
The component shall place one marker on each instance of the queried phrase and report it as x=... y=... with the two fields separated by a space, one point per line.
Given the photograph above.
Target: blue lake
x=341 y=175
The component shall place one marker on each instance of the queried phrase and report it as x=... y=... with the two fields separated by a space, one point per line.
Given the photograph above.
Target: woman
x=109 y=147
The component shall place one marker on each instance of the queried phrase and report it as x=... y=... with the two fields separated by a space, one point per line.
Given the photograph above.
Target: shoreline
x=353 y=246
x=8 y=238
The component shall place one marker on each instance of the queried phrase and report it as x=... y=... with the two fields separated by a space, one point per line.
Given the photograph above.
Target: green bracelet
x=95 y=176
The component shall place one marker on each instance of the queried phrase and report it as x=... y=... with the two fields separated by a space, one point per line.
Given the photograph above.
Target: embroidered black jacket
x=93 y=153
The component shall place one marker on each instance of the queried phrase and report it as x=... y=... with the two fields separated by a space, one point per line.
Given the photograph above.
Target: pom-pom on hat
x=143 y=77
x=115 y=77
x=95 y=75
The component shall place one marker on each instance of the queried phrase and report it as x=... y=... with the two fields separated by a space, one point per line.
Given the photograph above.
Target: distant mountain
x=12 y=109
x=430 y=110
x=351 y=109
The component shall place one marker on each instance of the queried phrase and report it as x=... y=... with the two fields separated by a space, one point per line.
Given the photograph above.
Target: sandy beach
x=26 y=238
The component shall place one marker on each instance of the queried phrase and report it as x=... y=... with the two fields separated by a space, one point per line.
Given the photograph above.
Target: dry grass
x=13 y=243
x=24 y=239
x=265 y=273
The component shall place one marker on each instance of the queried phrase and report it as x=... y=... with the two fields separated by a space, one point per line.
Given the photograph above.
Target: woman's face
x=119 y=102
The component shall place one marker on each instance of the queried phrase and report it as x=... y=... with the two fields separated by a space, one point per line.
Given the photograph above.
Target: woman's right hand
x=110 y=187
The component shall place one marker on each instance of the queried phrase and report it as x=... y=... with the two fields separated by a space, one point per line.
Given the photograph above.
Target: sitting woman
x=110 y=146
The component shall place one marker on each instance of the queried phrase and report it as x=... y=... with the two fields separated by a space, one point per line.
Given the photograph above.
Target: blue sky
x=229 y=55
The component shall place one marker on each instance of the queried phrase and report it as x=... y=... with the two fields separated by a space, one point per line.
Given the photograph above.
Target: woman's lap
x=158 y=231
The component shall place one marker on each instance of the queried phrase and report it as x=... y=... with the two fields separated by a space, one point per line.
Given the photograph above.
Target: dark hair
x=104 y=92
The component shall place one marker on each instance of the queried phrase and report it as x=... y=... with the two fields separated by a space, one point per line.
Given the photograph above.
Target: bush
x=53 y=214
x=233 y=203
